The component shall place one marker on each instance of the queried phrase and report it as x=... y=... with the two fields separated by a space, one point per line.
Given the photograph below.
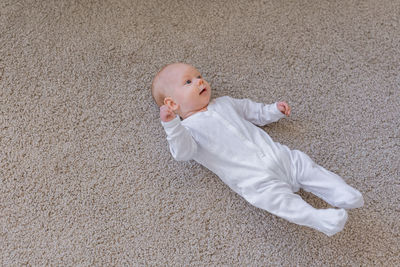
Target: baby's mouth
x=202 y=91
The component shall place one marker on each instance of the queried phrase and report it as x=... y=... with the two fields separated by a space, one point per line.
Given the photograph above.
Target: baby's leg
x=323 y=183
x=276 y=197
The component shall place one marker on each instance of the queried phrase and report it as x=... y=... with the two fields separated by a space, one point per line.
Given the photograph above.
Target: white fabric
x=225 y=140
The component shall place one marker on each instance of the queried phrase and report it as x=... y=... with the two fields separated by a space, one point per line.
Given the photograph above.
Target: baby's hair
x=157 y=89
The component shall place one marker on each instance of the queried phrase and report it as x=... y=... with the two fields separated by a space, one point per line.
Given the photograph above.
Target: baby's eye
x=188 y=81
x=199 y=77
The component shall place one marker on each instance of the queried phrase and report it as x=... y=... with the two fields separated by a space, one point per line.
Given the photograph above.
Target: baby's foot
x=351 y=200
x=331 y=221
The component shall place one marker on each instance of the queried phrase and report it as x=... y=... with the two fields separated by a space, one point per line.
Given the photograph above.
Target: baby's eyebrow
x=188 y=76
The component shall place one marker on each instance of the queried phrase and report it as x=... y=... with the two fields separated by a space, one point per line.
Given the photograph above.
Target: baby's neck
x=194 y=112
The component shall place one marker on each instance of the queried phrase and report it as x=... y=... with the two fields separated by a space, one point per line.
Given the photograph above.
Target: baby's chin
x=207 y=100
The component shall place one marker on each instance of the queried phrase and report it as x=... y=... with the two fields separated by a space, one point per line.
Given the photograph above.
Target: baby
x=220 y=134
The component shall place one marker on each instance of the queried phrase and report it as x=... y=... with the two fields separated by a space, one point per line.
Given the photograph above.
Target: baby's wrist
x=168 y=125
x=168 y=119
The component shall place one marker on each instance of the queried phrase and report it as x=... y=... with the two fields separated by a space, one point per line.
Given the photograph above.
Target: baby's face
x=188 y=89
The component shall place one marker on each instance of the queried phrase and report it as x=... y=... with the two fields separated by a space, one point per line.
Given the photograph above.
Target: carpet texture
x=86 y=177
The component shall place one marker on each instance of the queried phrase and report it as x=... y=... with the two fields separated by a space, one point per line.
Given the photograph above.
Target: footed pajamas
x=225 y=140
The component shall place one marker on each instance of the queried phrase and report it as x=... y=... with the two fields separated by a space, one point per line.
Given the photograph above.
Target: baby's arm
x=181 y=142
x=261 y=114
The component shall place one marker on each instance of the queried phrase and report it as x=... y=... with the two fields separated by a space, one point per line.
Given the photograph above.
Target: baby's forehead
x=178 y=71
x=181 y=69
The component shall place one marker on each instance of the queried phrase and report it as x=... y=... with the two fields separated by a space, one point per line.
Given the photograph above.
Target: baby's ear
x=170 y=103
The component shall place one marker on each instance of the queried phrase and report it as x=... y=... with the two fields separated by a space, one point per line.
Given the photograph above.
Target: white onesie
x=225 y=140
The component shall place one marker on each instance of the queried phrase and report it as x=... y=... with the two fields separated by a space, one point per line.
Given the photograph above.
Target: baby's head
x=182 y=88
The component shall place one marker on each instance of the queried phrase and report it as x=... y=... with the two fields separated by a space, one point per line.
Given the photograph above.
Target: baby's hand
x=284 y=108
x=166 y=114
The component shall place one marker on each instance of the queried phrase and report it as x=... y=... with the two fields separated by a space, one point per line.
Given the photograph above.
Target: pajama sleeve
x=181 y=143
x=257 y=113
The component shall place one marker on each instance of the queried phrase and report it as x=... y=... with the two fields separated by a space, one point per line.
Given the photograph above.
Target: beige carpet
x=86 y=174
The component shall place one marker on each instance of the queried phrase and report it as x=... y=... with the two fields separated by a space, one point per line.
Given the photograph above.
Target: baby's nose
x=200 y=82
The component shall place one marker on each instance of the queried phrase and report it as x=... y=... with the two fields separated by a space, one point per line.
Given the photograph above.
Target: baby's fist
x=284 y=108
x=166 y=114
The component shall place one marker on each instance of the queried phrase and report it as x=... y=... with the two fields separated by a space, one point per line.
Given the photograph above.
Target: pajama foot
x=350 y=200
x=331 y=221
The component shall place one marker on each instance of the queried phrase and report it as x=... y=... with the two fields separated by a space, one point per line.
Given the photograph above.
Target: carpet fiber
x=86 y=177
